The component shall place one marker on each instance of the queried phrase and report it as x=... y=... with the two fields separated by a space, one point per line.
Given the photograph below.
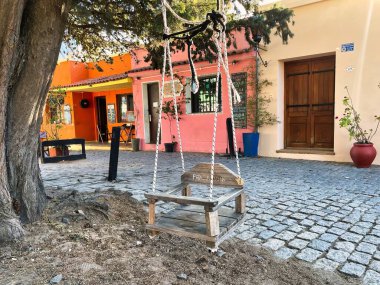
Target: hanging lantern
x=84 y=103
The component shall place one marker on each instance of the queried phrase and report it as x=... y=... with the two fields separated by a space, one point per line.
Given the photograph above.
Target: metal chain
x=175 y=104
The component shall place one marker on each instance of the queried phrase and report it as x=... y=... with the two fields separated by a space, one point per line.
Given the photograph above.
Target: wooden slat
x=186 y=190
x=223 y=211
x=152 y=215
x=212 y=223
x=199 y=217
x=175 y=189
x=181 y=199
x=231 y=229
x=181 y=228
x=240 y=204
x=222 y=175
x=230 y=195
x=152 y=212
x=175 y=222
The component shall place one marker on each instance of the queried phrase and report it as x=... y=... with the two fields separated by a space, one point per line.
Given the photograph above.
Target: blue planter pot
x=251 y=144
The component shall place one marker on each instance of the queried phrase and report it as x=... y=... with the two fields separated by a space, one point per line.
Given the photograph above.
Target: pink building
x=197 y=117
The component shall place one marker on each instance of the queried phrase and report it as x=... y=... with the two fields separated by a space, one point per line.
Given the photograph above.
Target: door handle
x=150 y=117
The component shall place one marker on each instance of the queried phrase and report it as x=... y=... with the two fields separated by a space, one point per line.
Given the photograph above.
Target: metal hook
x=257 y=49
x=265 y=63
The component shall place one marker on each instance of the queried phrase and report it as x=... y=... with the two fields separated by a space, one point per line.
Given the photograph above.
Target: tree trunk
x=30 y=37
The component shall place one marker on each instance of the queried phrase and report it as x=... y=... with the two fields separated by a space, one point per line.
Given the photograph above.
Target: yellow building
x=335 y=45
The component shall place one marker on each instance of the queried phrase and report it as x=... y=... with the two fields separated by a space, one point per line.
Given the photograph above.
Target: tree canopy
x=102 y=28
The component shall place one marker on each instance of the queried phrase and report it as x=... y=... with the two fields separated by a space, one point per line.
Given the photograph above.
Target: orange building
x=91 y=100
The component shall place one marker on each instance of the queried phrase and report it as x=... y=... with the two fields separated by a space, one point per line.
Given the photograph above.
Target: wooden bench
x=63 y=144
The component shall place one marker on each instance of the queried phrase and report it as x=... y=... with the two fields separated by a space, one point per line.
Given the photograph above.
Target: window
x=67 y=114
x=130 y=106
x=124 y=104
x=204 y=100
x=55 y=106
x=111 y=117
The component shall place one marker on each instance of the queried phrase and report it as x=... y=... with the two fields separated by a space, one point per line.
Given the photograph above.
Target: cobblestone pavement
x=324 y=213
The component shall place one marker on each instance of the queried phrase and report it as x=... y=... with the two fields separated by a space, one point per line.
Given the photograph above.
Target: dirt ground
x=100 y=238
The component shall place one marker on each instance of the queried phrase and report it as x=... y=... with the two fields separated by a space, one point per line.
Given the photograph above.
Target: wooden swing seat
x=201 y=218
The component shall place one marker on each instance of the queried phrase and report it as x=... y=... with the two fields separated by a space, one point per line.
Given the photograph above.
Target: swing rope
x=175 y=105
x=230 y=85
x=216 y=109
x=166 y=60
x=219 y=38
x=166 y=4
x=237 y=99
x=161 y=95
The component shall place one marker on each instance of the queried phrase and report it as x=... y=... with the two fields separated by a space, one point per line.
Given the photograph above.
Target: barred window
x=204 y=100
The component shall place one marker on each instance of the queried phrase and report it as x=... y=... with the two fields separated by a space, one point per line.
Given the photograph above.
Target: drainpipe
x=256 y=130
x=256 y=88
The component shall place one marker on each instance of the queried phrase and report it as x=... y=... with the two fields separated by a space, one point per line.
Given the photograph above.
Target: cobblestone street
x=327 y=214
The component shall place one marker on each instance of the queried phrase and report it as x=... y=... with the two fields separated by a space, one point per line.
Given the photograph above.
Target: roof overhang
x=97 y=87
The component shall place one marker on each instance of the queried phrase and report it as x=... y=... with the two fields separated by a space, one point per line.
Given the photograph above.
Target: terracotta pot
x=363 y=154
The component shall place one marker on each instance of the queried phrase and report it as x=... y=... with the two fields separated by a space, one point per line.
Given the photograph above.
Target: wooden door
x=153 y=105
x=309 y=107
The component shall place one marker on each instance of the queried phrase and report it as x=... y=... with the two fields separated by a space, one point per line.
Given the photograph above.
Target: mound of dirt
x=100 y=238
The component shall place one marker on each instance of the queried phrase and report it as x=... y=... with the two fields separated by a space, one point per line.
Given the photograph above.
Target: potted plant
x=168 y=113
x=57 y=150
x=136 y=139
x=257 y=113
x=362 y=152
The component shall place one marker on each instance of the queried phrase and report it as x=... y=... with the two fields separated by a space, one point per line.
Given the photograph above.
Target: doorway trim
x=282 y=89
x=145 y=101
x=99 y=132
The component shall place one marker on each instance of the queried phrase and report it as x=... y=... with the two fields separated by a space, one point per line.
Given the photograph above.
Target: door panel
x=323 y=128
x=153 y=105
x=309 y=97
x=298 y=129
x=297 y=106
